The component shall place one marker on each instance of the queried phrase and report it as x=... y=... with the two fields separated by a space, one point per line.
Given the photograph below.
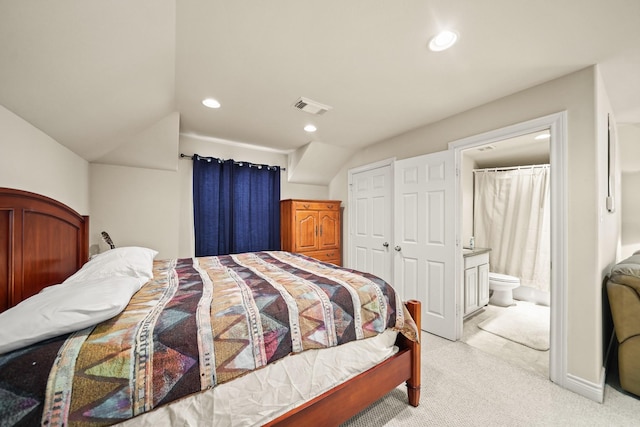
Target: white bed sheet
x=264 y=395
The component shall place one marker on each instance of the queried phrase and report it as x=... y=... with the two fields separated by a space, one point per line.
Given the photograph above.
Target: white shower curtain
x=511 y=216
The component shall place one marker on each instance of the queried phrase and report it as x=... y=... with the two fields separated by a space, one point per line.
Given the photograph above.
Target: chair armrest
x=624 y=299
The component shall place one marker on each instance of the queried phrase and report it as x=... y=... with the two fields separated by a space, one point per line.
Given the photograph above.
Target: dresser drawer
x=316 y=206
x=329 y=255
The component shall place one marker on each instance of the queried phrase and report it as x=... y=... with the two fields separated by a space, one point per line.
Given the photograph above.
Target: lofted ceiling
x=92 y=74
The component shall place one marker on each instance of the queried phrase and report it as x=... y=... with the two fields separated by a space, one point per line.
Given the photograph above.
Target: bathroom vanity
x=476 y=279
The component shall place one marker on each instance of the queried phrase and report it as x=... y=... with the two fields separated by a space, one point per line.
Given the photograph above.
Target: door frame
x=557 y=125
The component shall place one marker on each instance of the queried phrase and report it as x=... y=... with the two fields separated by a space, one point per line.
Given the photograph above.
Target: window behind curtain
x=236 y=206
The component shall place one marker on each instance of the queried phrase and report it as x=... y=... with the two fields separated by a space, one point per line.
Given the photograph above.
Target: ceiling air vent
x=309 y=106
x=487 y=148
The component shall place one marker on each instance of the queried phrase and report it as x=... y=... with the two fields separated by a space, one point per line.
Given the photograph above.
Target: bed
x=44 y=243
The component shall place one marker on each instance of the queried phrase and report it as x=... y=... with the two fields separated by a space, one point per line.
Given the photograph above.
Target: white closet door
x=371 y=199
x=424 y=233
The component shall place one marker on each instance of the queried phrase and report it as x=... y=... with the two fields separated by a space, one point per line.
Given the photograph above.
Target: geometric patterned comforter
x=200 y=322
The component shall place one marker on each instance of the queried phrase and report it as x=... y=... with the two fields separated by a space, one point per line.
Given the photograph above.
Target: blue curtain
x=236 y=206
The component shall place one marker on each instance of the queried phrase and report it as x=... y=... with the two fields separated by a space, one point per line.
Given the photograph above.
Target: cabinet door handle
x=329 y=206
x=398 y=248
x=316 y=230
x=320 y=231
x=385 y=244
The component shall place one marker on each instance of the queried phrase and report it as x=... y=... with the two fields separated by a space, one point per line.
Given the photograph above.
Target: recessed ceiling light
x=543 y=136
x=444 y=40
x=310 y=128
x=211 y=103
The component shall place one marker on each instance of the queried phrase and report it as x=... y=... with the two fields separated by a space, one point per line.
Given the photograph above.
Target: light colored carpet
x=516 y=354
x=463 y=386
x=525 y=323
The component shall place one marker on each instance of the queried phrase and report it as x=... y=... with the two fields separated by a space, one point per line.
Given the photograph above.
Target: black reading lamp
x=107 y=239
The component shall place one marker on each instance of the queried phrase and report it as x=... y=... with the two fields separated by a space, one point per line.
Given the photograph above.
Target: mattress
x=264 y=395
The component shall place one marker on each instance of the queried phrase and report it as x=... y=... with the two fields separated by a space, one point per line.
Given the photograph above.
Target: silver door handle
x=385 y=244
x=398 y=248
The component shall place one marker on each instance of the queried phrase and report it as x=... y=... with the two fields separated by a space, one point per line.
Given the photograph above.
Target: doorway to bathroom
x=506 y=215
x=555 y=124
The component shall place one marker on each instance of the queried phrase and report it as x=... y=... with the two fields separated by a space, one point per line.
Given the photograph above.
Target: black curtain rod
x=185 y=156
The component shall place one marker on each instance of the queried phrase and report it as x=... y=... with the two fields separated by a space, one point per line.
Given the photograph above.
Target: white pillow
x=65 y=308
x=126 y=261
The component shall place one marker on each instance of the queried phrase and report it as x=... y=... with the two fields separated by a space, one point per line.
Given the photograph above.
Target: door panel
x=425 y=241
x=411 y=213
x=436 y=294
x=370 y=227
x=329 y=230
x=435 y=215
x=306 y=236
x=406 y=279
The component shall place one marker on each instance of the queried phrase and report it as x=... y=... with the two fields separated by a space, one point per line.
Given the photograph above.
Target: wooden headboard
x=42 y=242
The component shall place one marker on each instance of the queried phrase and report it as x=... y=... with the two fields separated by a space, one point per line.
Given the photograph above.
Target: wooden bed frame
x=42 y=242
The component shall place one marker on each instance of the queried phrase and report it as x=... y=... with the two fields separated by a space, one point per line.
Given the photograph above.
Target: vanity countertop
x=466 y=252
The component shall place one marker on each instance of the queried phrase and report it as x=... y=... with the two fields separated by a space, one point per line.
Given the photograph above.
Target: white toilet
x=502 y=286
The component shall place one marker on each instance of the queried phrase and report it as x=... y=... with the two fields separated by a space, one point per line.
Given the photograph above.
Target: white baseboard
x=588 y=389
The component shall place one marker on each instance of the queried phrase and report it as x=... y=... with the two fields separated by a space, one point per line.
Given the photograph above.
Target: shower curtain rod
x=511 y=168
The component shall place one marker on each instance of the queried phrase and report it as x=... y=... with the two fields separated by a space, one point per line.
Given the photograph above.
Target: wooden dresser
x=312 y=228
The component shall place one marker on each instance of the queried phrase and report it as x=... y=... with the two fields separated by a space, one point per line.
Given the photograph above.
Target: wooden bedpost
x=413 y=383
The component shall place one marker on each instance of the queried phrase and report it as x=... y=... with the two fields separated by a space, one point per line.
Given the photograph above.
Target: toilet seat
x=503 y=278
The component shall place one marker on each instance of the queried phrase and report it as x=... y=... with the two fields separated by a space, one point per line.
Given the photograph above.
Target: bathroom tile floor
x=534 y=360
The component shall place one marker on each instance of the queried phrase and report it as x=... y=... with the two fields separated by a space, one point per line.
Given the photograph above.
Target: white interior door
x=371 y=201
x=424 y=233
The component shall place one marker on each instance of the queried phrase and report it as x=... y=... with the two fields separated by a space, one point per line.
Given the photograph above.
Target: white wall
x=629 y=153
x=155 y=147
x=33 y=161
x=135 y=191
x=575 y=93
x=609 y=223
x=136 y=206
